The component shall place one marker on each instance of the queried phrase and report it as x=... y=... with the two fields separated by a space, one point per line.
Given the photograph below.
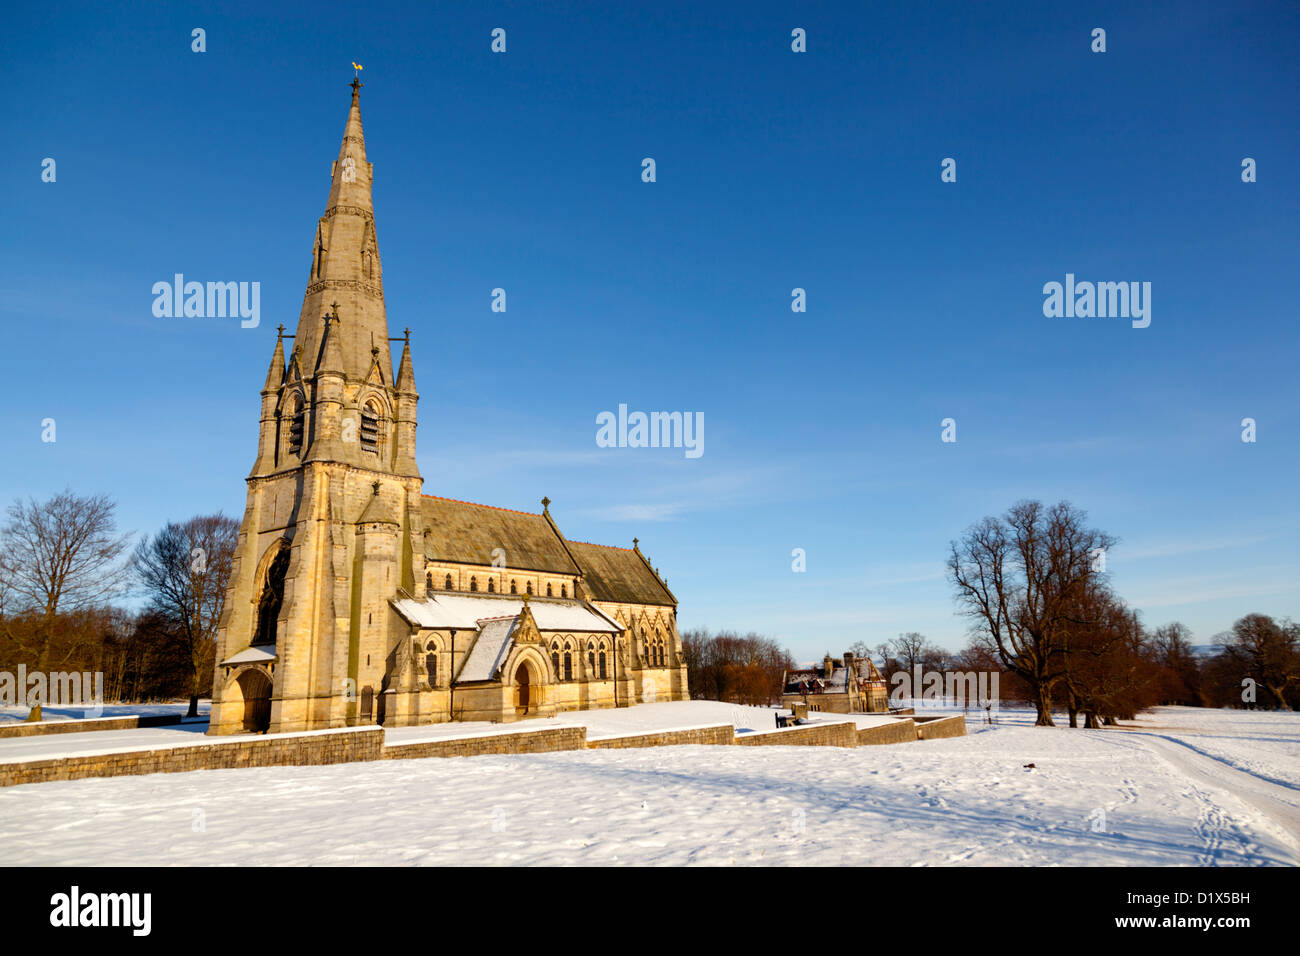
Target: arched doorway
x=255 y=687
x=523 y=691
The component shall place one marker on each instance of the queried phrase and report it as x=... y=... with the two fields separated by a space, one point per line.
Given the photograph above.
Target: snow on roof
x=443 y=610
x=257 y=654
x=489 y=649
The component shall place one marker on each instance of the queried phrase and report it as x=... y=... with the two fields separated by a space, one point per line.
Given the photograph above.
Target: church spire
x=345 y=264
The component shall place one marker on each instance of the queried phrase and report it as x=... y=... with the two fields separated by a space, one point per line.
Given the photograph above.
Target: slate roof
x=619 y=575
x=466 y=533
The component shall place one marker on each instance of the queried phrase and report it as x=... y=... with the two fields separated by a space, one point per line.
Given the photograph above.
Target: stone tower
x=332 y=530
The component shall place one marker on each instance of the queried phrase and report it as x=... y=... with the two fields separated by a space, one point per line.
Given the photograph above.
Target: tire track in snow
x=1278 y=802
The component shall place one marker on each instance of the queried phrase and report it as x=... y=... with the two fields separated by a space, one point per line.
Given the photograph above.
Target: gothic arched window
x=514 y=588
x=564 y=591
x=431 y=663
x=295 y=424
x=447 y=587
x=530 y=587
x=428 y=580
x=492 y=586
x=568 y=661
x=548 y=589
x=473 y=584
x=591 y=658
x=602 y=662
x=555 y=658
x=268 y=606
x=370 y=420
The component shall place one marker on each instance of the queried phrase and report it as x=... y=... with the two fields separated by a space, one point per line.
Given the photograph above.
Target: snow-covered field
x=12 y=714
x=1180 y=786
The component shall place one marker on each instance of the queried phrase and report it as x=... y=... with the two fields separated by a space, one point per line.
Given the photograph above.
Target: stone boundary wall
x=954 y=726
x=87 y=726
x=722 y=734
x=896 y=732
x=548 y=740
x=839 y=734
x=349 y=745
x=290 y=750
x=42 y=727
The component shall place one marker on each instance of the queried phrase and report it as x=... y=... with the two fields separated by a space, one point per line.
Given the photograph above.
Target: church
x=357 y=599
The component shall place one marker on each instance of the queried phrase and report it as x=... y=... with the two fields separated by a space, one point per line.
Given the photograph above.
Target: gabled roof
x=466 y=533
x=619 y=575
x=489 y=649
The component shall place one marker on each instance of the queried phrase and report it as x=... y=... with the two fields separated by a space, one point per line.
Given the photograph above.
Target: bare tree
x=1267 y=652
x=1020 y=579
x=63 y=554
x=184 y=570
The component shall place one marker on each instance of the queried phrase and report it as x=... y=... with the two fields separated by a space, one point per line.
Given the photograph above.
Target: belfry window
x=295 y=425
x=370 y=429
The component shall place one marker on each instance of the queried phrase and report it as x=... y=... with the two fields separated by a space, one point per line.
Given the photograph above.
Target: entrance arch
x=525 y=700
x=255 y=687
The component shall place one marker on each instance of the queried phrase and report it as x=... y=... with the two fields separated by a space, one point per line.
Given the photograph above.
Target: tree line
x=63 y=566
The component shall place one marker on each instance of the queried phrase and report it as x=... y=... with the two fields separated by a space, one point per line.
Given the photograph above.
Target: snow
x=256 y=654
x=1182 y=787
x=54 y=712
x=489 y=650
x=443 y=610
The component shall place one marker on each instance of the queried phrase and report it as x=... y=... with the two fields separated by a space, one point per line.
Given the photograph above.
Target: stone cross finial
x=546 y=504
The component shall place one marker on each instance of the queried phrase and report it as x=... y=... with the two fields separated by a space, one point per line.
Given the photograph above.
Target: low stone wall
x=90 y=725
x=42 y=727
x=321 y=747
x=938 y=727
x=844 y=734
x=548 y=740
x=894 y=732
x=709 y=736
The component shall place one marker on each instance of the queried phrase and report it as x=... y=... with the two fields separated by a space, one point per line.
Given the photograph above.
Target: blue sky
x=775 y=170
